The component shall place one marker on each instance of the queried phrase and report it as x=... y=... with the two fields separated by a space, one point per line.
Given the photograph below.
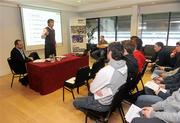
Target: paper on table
x=39 y=60
x=105 y=91
x=61 y=56
x=132 y=113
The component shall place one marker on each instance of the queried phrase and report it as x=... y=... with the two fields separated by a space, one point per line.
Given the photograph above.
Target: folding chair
x=78 y=81
x=15 y=74
x=116 y=104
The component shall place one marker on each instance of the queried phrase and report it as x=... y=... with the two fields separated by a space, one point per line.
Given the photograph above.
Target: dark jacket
x=162 y=58
x=175 y=63
x=18 y=61
x=132 y=65
x=173 y=82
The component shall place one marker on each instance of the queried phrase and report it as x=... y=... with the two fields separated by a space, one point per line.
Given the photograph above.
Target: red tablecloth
x=47 y=77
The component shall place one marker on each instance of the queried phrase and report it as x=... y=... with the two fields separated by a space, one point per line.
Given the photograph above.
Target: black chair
x=95 y=68
x=131 y=84
x=78 y=81
x=116 y=104
x=143 y=72
x=34 y=55
x=14 y=72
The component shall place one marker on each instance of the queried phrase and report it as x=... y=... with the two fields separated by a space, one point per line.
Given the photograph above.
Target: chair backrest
x=11 y=66
x=96 y=67
x=144 y=69
x=34 y=55
x=81 y=76
x=119 y=96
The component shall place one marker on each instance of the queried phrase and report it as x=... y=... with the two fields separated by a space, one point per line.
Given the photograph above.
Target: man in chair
x=107 y=81
x=19 y=58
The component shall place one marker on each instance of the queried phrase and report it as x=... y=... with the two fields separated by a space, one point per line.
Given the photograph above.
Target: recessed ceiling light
x=79 y=1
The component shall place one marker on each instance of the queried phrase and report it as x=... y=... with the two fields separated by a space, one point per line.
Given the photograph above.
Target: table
x=47 y=77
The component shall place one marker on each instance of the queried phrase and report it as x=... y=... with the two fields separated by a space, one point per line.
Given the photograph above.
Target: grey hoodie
x=110 y=77
x=169 y=109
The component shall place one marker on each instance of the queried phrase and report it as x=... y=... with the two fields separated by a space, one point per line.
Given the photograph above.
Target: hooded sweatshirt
x=108 y=80
x=169 y=109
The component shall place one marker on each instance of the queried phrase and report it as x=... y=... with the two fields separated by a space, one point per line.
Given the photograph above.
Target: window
x=154 y=28
x=92 y=30
x=123 y=28
x=107 y=28
x=174 y=31
x=113 y=28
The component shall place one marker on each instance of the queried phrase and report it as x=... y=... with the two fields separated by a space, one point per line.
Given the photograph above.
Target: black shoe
x=24 y=81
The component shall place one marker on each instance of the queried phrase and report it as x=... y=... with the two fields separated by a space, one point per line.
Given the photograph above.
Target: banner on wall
x=78 y=35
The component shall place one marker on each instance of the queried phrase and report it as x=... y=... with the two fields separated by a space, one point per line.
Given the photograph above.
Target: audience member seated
x=171 y=84
x=162 y=57
x=175 y=58
x=138 y=54
x=19 y=59
x=132 y=67
x=101 y=51
x=167 y=111
x=106 y=82
x=128 y=53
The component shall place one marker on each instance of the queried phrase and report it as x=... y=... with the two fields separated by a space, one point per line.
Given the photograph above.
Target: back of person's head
x=178 y=43
x=117 y=50
x=134 y=37
x=160 y=44
x=128 y=46
x=50 y=20
x=16 y=42
x=139 y=44
x=102 y=36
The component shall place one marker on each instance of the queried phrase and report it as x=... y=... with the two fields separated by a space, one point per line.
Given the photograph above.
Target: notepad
x=132 y=113
x=152 y=85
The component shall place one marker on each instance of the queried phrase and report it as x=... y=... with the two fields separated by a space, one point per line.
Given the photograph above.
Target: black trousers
x=147 y=120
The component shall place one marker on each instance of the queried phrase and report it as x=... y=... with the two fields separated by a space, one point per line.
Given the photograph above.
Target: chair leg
x=121 y=112
x=88 y=87
x=142 y=83
x=12 y=81
x=72 y=94
x=86 y=117
x=78 y=90
x=63 y=93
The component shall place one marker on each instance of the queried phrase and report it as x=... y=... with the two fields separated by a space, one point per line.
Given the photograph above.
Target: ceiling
x=89 y=5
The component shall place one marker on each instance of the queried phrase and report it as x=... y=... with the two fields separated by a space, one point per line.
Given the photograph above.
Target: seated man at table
x=107 y=81
x=100 y=53
x=19 y=59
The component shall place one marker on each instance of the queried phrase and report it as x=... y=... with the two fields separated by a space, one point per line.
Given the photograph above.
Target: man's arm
x=167 y=116
x=45 y=33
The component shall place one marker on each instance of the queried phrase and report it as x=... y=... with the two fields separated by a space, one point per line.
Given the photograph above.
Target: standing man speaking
x=49 y=36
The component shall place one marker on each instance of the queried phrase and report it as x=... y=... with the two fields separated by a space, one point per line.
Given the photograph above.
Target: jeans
x=147 y=100
x=90 y=103
x=147 y=120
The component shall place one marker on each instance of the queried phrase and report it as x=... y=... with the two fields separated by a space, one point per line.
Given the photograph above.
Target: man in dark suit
x=19 y=60
x=18 y=57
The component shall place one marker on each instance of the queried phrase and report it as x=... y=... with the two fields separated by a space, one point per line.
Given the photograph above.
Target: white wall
x=11 y=29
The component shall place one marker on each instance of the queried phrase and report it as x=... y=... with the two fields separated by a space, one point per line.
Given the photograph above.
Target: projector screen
x=34 y=20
